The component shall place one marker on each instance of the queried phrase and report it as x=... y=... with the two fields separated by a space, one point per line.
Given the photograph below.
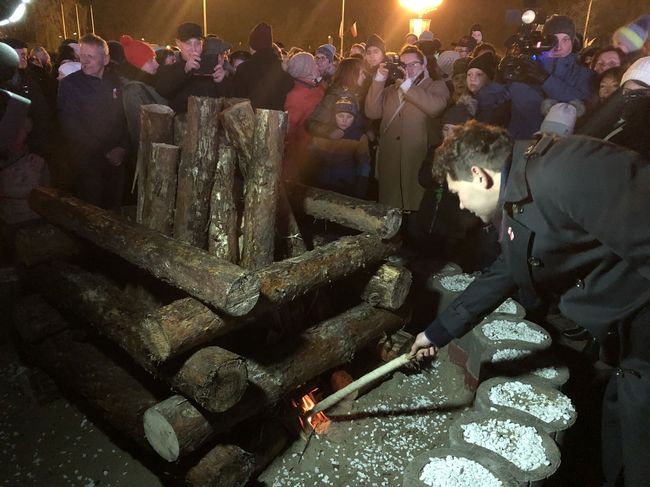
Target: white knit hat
x=560 y=120
x=639 y=71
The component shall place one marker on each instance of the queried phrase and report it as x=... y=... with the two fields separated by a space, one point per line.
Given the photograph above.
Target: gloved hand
x=533 y=70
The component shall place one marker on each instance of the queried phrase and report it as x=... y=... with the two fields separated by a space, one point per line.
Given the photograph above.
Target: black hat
x=261 y=36
x=376 y=41
x=486 y=62
x=467 y=41
x=189 y=30
x=456 y=114
x=475 y=28
x=460 y=66
x=560 y=24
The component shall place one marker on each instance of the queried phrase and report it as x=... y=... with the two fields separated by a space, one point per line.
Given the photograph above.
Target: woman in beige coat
x=407 y=110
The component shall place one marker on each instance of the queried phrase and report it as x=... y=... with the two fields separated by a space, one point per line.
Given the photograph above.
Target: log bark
x=180 y=124
x=288 y=229
x=388 y=288
x=181 y=326
x=160 y=189
x=285 y=280
x=239 y=122
x=223 y=466
x=181 y=427
x=261 y=189
x=120 y=399
x=214 y=378
x=156 y=126
x=196 y=171
x=222 y=234
x=222 y=284
x=44 y=243
x=362 y=215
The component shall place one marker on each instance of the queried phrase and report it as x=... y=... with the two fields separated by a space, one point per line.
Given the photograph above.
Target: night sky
x=307 y=23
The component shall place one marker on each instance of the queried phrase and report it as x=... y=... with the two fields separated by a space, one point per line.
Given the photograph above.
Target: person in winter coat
x=301 y=101
x=137 y=75
x=407 y=110
x=493 y=98
x=261 y=78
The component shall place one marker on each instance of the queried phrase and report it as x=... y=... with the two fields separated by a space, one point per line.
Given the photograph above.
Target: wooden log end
x=161 y=435
x=223 y=466
x=158 y=109
x=391 y=224
x=243 y=295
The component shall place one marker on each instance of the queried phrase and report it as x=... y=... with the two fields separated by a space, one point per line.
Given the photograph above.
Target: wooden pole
x=222 y=234
x=160 y=181
x=222 y=284
x=92 y=18
x=65 y=31
x=76 y=9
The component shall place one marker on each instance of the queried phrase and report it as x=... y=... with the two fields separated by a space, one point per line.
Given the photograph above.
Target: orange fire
x=319 y=422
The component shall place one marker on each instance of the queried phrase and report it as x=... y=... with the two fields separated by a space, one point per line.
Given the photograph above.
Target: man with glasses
x=324 y=58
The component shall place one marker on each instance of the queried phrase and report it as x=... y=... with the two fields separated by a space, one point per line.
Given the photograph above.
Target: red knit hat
x=136 y=52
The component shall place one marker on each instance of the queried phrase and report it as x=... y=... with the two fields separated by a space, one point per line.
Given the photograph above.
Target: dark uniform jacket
x=574 y=224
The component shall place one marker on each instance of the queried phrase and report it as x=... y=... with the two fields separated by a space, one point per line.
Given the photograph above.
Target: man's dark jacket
x=262 y=80
x=574 y=224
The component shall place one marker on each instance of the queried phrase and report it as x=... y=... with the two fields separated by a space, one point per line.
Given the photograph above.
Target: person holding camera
x=192 y=75
x=407 y=110
x=557 y=75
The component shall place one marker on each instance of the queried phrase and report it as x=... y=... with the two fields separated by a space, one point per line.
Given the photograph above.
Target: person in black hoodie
x=186 y=78
x=262 y=79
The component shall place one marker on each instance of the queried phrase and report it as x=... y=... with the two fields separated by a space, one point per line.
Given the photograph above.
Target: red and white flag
x=353 y=30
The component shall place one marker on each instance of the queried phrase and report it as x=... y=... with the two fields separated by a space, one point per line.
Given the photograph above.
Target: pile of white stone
x=455 y=471
x=522 y=396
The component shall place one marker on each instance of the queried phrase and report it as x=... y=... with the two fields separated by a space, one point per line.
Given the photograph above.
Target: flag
x=353 y=30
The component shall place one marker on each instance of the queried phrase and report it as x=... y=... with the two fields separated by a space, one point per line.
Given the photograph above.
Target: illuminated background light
x=420 y=7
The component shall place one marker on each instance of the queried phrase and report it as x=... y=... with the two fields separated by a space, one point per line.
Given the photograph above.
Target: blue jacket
x=493 y=104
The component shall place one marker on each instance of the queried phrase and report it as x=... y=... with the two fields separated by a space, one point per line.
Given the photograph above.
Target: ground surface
x=385 y=429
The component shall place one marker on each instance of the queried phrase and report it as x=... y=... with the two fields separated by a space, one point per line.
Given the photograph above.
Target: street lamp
x=420 y=7
x=12 y=11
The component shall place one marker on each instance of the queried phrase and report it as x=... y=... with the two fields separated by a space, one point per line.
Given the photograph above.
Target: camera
x=209 y=57
x=525 y=47
x=393 y=64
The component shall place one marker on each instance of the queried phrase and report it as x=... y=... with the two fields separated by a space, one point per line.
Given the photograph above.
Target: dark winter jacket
x=262 y=80
x=572 y=220
x=321 y=122
x=493 y=104
x=174 y=84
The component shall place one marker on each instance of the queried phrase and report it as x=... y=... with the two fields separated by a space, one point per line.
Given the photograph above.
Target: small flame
x=319 y=422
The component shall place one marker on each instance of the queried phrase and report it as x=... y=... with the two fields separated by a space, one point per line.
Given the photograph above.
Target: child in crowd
x=344 y=162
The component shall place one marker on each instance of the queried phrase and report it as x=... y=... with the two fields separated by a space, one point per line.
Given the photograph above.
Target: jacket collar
x=516 y=188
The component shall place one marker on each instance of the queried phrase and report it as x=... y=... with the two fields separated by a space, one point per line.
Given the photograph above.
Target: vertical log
x=222 y=234
x=160 y=188
x=196 y=171
x=239 y=122
x=180 y=124
x=156 y=125
x=261 y=188
x=288 y=228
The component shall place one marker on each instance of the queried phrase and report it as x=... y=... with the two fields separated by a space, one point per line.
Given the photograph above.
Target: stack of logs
x=189 y=233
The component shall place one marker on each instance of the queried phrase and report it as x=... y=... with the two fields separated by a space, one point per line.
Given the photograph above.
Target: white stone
x=456 y=283
x=506 y=354
x=523 y=397
x=457 y=472
x=512 y=330
x=508 y=307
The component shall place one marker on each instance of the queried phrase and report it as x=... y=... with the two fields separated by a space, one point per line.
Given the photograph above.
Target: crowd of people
x=367 y=123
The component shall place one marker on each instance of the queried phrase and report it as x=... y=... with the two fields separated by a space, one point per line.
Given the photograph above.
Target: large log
x=239 y=122
x=285 y=280
x=222 y=284
x=178 y=427
x=214 y=378
x=389 y=287
x=288 y=228
x=156 y=126
x=44 y=242
x=223 y=466
x=120 y=399
x=196 y=171
x=261 y=189
x=160 y=189
x=222 y=234
x=362 y=215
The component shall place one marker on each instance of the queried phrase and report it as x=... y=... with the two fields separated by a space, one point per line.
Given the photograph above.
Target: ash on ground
x=386 y=428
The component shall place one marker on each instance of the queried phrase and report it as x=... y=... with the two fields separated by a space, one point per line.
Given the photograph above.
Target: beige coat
x=404 y=143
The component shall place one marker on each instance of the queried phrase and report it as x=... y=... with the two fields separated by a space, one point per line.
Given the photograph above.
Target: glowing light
x=420 y=7
x=417 y=26
x=18 y=13
x=528 y=17
x=319 y=422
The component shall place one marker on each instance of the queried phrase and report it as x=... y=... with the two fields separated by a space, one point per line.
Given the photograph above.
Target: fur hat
x=460 y=66
x=189 y=30
x=327 y=50
x=376 y=41
x=560 y=120
x=639 y=71
x=136 y=52
x=261 y=37
x=467 y=41
x=446 y=62
x=427 y=35
x=486 y=62
x=301 y=65
x=560 y=24
x=346 y=104
x=631 y=37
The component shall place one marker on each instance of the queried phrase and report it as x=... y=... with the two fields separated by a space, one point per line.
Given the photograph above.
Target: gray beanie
x=301 y=65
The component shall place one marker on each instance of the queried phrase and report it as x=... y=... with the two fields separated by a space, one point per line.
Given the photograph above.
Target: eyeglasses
x=320 y=58
x=413 y=64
